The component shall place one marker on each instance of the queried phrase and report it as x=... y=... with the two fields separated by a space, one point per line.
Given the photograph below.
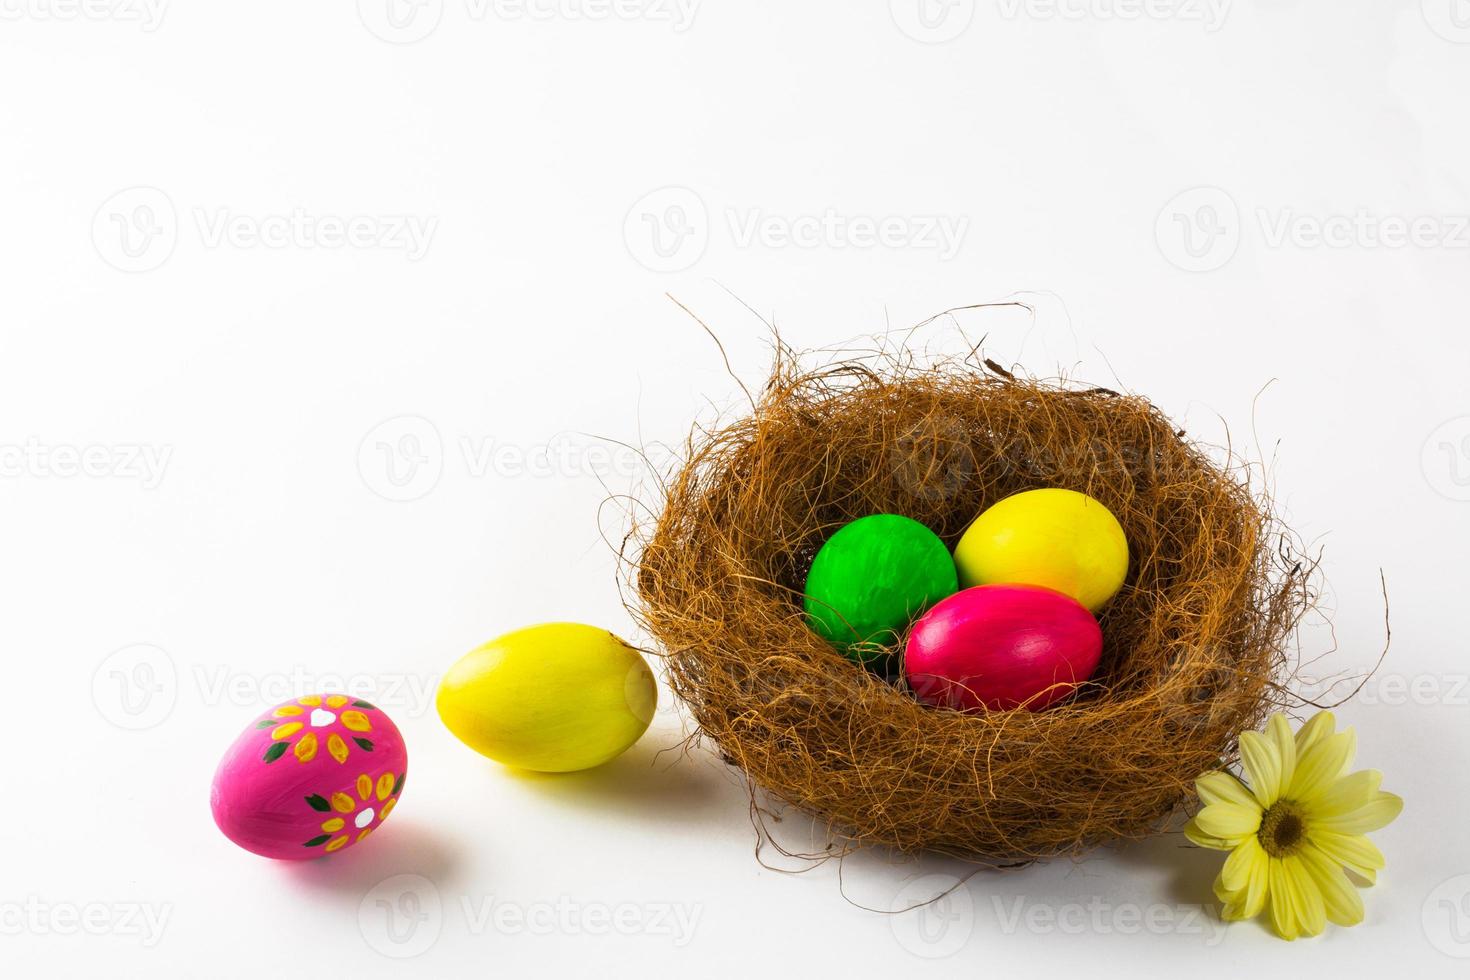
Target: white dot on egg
x=321 y=718
x=364 y=818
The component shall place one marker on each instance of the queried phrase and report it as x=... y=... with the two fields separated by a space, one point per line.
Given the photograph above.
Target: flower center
x=1282 y=830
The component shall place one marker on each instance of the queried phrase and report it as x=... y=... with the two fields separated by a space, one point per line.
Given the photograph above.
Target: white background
x=1199 y=198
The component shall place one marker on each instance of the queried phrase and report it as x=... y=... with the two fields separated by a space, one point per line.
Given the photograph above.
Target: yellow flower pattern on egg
x=325 y=715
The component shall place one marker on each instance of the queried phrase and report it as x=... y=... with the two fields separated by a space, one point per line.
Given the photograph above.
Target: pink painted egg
x=999 y=647
x=309 y=777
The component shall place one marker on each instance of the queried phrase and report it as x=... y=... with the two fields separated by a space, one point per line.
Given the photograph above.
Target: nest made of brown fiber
x=1193 y=642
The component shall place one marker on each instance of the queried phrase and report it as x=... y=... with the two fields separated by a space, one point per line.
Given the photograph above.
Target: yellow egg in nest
x=1058 y=539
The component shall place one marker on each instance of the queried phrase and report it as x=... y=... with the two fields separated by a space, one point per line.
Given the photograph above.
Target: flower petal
x=1318 y=727
x=1283 y=913
x=1236 y=873
x=1221 y=787
x=306 y=748
x=1353 y=851
x=1254 y=898
x=1197 y=836
x=1322 y=764
x=1278 y=733
x=1378 y=812
x=1245 y=902
x=1228 y=821
x=1263 y=765
x=1343 y=904
x=1306 y=897
x=1347 y=794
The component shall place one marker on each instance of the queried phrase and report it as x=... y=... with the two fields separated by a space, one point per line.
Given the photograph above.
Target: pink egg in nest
x=998 y=647
x=310 y=777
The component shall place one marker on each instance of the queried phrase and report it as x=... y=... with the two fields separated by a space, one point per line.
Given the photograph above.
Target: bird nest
x=1194 y=643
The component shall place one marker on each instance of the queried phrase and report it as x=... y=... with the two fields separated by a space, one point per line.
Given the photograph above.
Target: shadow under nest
x=1193 y=643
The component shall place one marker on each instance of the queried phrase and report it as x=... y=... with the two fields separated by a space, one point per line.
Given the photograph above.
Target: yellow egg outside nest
x=552 y=698
x=1058 y=539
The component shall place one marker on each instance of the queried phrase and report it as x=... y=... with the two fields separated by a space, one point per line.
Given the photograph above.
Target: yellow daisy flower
x=1295 y=828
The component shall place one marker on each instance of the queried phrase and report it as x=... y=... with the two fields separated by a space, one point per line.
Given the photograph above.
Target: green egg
x=871 y=579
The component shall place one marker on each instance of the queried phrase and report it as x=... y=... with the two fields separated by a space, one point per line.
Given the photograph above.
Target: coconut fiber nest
x=1194 y=643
